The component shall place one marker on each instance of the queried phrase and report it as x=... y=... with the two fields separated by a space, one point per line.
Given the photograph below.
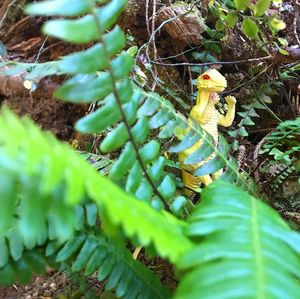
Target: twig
x=263 y=103
x=216 y=62
x=248 y=82
x=157 y=29
x=180 y=54
x=295 y=28
x=261 y=130
x=41 y=49
x=153 y=43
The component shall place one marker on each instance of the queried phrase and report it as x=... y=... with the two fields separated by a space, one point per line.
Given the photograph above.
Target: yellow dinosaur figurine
x=206 y=115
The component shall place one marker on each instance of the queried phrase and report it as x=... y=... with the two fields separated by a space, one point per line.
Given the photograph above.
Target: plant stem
x=124 y=119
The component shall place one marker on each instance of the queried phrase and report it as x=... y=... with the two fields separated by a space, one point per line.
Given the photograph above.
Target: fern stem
x=124 y=119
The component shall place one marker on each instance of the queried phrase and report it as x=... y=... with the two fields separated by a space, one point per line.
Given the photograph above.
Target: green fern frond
x=112 y=262
x=245 y=250
x=51 y=179
x=90 y=253
x=118 y=98
x=284 y=136
x=124 y=110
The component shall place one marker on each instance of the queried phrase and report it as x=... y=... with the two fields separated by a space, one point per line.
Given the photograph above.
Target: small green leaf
x=132 y=51
x=115 y=139
x=99 y=120
x=160 y=118
x=283 y=52
x=7 y=275
x=202 y=152
x=144 y=191
x=241 y=4
x=261 y=7
x=91 y=214
x=235 y=145
x=149 y=107
x=150 y=151
x=188 y=141
x=250 y=28
x=69 y=248
x=90 y=88
x=78 y=31
x=167 y=187
x=134 y=178
x=85 y=253
x=243 y=132
x=68 y=8
x=156 y=170
x=204 y=56
x=211 y=46
x=266 y=99
x=248 y=121
x=93 y=59
x=16 y=245
x=214 y=34
x=283 y=41
x=231 y=19
x=124 y=163
x=276 y=24
x=219 y=25
x=85 y=29
x=178 y=205
x=140 y=130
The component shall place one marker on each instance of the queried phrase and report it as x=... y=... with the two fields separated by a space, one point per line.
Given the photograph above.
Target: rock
x=187 y=25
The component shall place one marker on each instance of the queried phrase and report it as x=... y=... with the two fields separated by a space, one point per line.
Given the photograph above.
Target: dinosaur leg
x=190 y=182
x=217 y=174
x=205 y=179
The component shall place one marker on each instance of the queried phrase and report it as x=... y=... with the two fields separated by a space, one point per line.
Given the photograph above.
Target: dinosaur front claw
x=214 y=98
x=230 y=100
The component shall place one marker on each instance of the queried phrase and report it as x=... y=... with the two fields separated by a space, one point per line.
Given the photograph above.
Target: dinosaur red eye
x=206 y=77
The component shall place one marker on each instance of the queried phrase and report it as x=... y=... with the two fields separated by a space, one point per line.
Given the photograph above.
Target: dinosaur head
x=211 y=81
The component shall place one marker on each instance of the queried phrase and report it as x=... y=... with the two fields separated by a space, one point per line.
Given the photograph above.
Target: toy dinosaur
x=206 y=115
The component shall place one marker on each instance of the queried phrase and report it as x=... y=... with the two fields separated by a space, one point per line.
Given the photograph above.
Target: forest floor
x=24 y=42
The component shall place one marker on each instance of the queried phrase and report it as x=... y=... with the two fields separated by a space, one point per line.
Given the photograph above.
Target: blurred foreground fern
x=232 y=245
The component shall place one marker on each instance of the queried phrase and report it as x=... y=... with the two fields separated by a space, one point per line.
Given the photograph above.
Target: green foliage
x=50 y=186
x=250 y=28
x=259 y=239
x=282 y=149
x=253 y=25
x=261 y=97
x=282 y=143
x=261 y=251
x=125 y=113
x=51 y=197
x=93 y=253
x=241 y=4
x=241 y=245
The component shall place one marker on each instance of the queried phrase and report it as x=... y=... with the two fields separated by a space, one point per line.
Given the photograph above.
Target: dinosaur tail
x=191 y=183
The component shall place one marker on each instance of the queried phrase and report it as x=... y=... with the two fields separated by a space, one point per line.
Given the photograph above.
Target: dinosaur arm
x=226 y=120
x=209 y=110
x=204 y=117
x=207 y=113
